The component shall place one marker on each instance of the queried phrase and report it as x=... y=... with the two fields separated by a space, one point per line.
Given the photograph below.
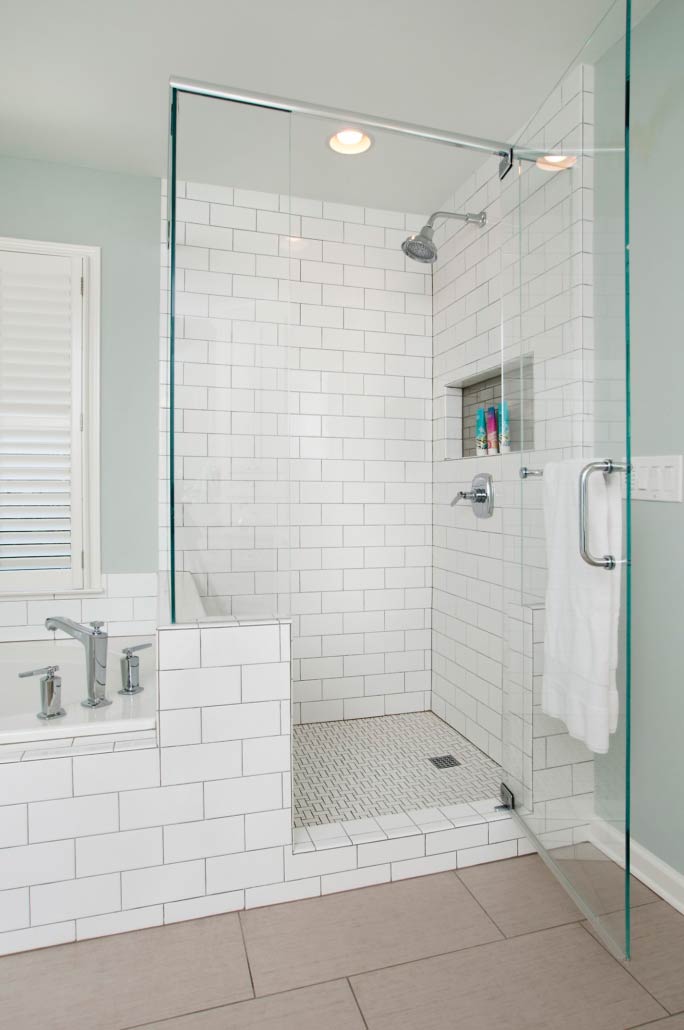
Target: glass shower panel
x=565 y=368
x=229 y=497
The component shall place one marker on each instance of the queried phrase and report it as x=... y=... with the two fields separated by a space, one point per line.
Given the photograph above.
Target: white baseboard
x=647 y=867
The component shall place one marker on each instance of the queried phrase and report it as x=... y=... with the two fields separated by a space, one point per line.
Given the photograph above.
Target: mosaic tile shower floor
x=368 y=767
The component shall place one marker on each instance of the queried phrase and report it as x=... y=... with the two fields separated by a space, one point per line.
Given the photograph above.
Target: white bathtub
x=20 y=698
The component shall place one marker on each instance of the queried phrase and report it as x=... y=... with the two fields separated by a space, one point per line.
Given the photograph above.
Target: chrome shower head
x=421 y=245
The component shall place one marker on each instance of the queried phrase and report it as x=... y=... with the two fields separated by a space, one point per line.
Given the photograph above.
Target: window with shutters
x=49 y=417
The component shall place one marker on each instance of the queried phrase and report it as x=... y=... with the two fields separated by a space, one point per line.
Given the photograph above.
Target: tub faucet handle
x=130 y=670
x=50 y=691
x=128 y=651
x=49 y=670
x=97 y=626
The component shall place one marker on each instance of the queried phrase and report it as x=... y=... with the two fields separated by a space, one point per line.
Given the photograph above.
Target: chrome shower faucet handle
x=480 y=495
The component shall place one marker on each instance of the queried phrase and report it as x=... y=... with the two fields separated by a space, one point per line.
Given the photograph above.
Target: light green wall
x=120 y=214
x=657 y=296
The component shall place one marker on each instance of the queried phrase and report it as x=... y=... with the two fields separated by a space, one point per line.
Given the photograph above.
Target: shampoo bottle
x=492 y=432
x=504 y=428
x=480 y=433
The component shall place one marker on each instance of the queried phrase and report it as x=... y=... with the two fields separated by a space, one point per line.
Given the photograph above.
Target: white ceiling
x=86 y=82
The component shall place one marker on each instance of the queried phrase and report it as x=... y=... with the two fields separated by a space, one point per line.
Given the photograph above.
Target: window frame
x=86 y=577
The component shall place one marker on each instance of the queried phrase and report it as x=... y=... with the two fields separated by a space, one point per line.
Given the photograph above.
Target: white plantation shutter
x=41 y=411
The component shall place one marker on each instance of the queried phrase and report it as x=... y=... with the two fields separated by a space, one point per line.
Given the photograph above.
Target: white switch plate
x=657 y=479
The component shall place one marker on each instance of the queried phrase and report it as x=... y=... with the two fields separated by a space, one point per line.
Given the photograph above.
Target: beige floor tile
x=658 y=952
x=520 y=895
x=122 y=981
x=558 y=979
x=311 y=941
x=329 y=1005
x=673 y=1023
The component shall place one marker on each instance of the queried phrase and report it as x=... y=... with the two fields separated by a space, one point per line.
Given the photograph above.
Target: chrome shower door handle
x=608 y=561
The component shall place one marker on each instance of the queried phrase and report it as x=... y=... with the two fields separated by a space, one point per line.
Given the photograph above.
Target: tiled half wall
x=105 y=843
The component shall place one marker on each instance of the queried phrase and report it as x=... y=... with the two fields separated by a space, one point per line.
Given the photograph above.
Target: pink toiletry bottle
x=492 y=432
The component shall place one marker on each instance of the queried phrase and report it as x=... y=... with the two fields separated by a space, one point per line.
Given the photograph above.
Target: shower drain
x=444 y=761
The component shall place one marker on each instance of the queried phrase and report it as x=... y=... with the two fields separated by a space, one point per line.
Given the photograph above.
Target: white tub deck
x=20 y=698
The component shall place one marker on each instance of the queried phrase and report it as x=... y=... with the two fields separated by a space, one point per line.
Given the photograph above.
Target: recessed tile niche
x=462 y=400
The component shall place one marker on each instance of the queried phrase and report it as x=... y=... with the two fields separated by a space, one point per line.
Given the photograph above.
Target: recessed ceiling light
x=556 y=162
x=350 y=141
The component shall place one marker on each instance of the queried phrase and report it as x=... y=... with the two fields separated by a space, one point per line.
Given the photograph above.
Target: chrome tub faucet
x=94 y=641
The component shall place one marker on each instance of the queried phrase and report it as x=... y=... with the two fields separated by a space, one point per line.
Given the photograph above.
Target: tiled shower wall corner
x=326 y=455
x=101 y=844
x=518 y=291
x=303 y=410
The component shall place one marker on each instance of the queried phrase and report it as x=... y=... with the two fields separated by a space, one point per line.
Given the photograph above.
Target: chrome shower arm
x=478 y=219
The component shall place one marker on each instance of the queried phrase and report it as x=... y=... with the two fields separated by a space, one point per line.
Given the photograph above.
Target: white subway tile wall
x=514 y=299
x=104 y=844
x=303 y=415
x=128 y=603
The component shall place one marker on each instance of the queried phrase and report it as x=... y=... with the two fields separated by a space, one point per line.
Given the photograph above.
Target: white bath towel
x=582 y=604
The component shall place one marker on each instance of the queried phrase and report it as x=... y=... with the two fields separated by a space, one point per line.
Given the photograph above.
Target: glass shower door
x=565 y=373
